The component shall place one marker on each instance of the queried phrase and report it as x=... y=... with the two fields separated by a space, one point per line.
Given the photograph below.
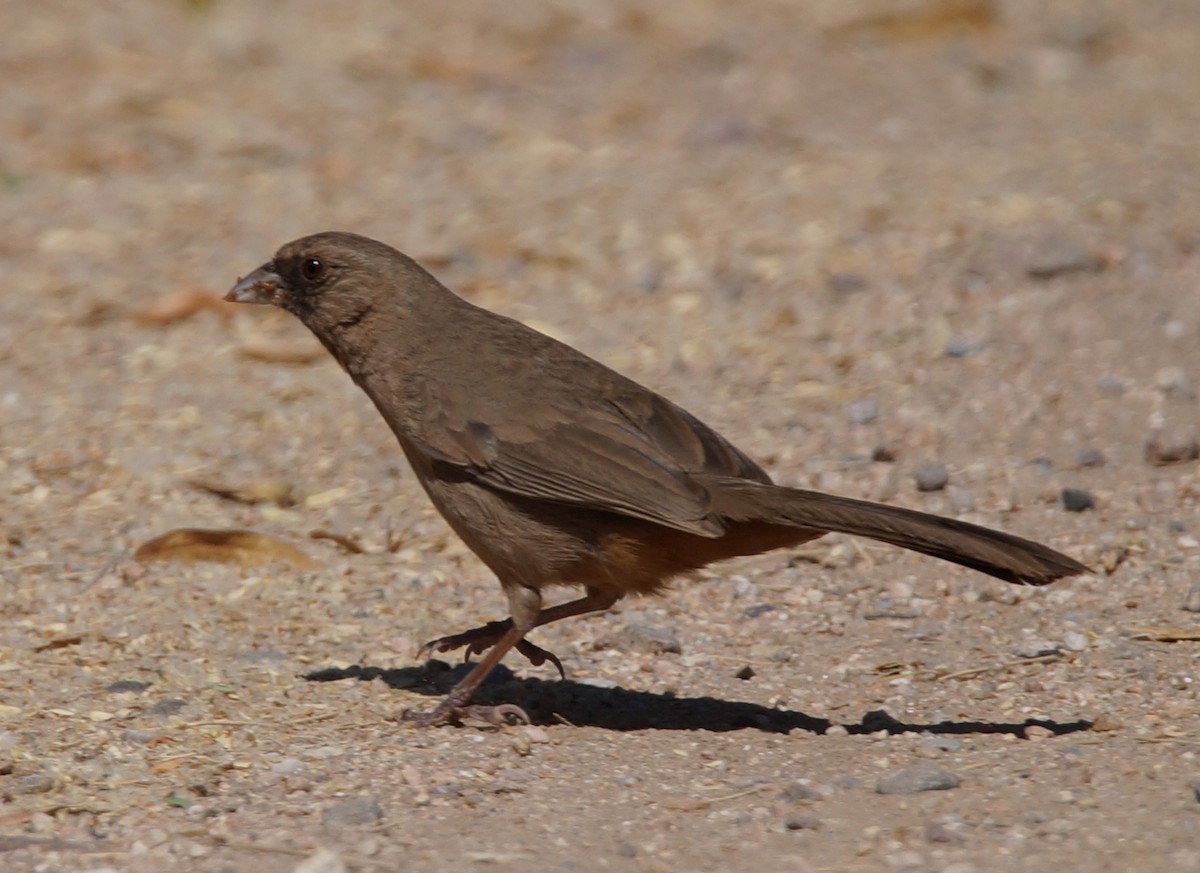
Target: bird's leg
x=479 y=639
x=525 y=605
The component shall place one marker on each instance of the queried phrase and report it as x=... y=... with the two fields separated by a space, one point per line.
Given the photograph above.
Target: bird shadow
x=618 y=709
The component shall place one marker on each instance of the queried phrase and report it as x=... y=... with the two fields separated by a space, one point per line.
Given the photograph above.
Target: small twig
x=995 y=668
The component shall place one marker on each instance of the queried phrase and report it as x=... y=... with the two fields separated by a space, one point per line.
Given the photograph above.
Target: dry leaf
x=60 y=643
x=242 y=547
x=1166 y=634
x=350 y=545
x=282 y=352
x=182 y=305
x=936 y=20
x=276 y=491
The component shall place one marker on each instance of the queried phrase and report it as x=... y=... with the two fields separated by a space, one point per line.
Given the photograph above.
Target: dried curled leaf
x=277 y=491
x=182 y=305
x=280 y=352
x=242 y=547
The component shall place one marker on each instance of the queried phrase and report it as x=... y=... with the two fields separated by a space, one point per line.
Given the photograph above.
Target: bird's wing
x=633 y=453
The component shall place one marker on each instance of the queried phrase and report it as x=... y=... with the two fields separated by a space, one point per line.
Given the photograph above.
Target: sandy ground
x=965 y=234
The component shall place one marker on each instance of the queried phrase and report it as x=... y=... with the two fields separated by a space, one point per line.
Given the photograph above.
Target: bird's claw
x=478 y=640
x=446 y=712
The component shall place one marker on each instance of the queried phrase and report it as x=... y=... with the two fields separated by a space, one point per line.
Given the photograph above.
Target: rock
x=1077 y=499
x=932 y=476
x=1074 y=641
x=1058 y=257
x=1089 y=457
x=913 y=780
x=802 y=822
x=353 y=811
x=127 y=686
x=1191 y=603
x=863 y=411
x=745 y=673
x=1173 y=380
x=1036 y=648
x=798 y=792
x=883 y=454
x=1169 y=447
x=287 y=767
x=638 y=636
x=324 y=861
x=962 y=348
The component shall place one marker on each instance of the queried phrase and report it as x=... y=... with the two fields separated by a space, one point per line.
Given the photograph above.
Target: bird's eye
x=312 y=269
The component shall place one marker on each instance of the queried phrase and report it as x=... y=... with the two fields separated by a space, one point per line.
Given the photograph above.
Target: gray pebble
x=798 y=792
x=130 y=686
x=1059 y=257
x=863 y=411
x=1191 y=603
x=802 y=822
x=1196 y=790
x=639 y=636
x=943 y=744
x=913 y=780
x=1089 y=457
x=962 y=348
x=1074 y=641
x=354 y=811
x=1036 y=648
x=932 y=476
x=35 y=783
x=846 y=283
x=1163 y=448
x=1077 y=499
x=1173 y=380
x=170 y=706
x=287 y=767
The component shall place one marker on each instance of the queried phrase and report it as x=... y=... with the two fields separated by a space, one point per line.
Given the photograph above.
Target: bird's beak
x=261 y=286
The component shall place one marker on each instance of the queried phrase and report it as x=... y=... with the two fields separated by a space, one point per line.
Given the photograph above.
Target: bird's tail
x=998 y=554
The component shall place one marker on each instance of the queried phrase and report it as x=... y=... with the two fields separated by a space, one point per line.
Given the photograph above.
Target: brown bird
x=556 y=470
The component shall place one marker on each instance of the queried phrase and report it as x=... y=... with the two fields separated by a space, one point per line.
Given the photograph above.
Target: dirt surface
x=963 y=234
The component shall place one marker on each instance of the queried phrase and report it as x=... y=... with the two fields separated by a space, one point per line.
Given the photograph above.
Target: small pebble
x=1089 y=457
x=745 y=673
x=962 y=348
x=932 y=476
x=863 y=411
x=1077 y=499
x=35 y=783
x=170 y=706
x=882 y=454
x=798 y=792
x=758 y=609
x=124 y=686
x=1036 y=648
x=803 y=822
x=1037 y=732
x=354 y=811
x=1059 y=257
x=1191 y=603
x=287 y=767
x=1164 y=448
x=936 y=832
x=913 y=780
x=1173 y=380
x=1074 y=641
x=640 y=636
x=324 y=861
x=1196 y=790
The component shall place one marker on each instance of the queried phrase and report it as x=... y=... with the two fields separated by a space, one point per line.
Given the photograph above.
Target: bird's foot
x=449 y=712
x=479 y=639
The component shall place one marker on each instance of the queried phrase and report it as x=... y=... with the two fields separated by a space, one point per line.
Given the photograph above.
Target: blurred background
x=859 y=237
